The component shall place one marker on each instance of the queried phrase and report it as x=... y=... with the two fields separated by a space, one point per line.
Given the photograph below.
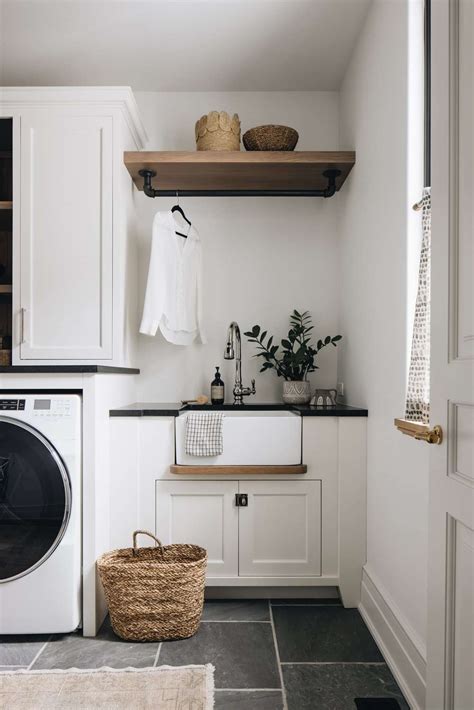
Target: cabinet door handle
x=22 y=326
x=241 y=500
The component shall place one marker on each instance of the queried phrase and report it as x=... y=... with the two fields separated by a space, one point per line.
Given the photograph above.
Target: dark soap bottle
x=217 y=389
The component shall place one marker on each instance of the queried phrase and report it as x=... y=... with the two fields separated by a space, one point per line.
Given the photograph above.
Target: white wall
x=262 y=256
x=377 y=231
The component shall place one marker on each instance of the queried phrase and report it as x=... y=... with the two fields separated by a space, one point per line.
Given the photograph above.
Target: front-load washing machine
x=40 y=513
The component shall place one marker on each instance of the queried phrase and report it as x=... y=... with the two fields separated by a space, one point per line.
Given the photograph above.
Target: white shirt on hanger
x=174 y=287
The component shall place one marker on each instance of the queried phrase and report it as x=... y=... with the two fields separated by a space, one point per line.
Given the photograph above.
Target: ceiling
x=179 y=45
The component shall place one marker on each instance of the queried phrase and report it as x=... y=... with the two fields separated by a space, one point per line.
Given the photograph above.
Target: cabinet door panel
x=280 y=530
x=202 y=513
x=66 y=237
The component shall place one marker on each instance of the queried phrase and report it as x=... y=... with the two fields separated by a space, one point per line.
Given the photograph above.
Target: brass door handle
x=432 y=436
x=421 y=432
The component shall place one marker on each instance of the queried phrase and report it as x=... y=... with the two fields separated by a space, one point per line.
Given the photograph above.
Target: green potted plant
x=294 y=358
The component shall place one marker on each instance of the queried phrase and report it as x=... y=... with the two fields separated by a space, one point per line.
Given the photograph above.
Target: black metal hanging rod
x=329 y=191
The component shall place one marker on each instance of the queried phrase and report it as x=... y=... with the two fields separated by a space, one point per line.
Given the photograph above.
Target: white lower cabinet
x=203 y=513
x=306 y=531
x=278 y=534
x=280 y=530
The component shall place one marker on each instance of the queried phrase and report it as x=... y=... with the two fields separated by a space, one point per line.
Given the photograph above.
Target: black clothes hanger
x=177 y=208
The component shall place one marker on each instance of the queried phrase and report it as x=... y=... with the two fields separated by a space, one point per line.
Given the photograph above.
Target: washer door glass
x=34 y=499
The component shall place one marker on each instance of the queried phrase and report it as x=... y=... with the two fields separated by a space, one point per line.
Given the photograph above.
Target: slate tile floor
x=268 y=655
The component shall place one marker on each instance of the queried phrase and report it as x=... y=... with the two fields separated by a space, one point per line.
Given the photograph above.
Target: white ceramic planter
x=296 y=392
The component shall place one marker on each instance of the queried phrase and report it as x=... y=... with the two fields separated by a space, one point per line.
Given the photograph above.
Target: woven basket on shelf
x=218 y=131
x=154 y=593
x=270 y=138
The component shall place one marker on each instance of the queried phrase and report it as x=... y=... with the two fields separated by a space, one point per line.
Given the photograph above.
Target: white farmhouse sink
x=251 y=438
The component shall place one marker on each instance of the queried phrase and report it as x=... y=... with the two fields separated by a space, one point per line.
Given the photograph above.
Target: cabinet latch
x=241 y=500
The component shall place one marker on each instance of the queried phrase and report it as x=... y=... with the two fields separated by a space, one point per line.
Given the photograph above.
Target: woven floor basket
x=270 y=137
x=154 y=593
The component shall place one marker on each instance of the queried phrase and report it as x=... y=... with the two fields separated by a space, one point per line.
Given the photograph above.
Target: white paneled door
x=203 y=512
x=280 y=529
x=450 y=652
x=65 y=237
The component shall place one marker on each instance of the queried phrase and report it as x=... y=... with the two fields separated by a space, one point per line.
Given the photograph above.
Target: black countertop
x=173 y=409
x=68 y=369
x=339 y=410
x=148 y=409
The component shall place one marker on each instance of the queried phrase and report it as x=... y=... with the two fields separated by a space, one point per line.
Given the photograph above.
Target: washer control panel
x=52 y=408
x=44 y=407
x=8 y=405
x=57 y=416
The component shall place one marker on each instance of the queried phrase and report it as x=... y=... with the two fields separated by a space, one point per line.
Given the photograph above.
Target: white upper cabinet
x=66 y=237
x=74 y=246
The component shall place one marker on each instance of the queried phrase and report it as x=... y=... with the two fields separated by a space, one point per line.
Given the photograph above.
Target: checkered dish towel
x=204 y=434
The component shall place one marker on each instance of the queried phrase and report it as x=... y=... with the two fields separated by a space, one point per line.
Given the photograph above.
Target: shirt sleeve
x=199 y=315
x=155 y=287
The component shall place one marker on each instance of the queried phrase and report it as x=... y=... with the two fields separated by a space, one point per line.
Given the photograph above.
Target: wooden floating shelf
x=6 y=288
x=238 y=470
x=233 y=172
x=6 y=205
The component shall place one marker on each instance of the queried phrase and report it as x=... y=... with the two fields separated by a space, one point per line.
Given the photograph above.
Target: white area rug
x=163 y=688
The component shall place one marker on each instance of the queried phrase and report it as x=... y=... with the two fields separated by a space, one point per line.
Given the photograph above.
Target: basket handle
x=145 y=532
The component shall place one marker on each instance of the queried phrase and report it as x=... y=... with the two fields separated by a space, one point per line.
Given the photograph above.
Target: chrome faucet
x=233 y=350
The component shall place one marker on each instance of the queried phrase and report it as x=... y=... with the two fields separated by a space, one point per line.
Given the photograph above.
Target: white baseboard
x=402 y=652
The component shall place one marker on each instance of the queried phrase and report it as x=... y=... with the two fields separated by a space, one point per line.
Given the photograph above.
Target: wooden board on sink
x=238 y=470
